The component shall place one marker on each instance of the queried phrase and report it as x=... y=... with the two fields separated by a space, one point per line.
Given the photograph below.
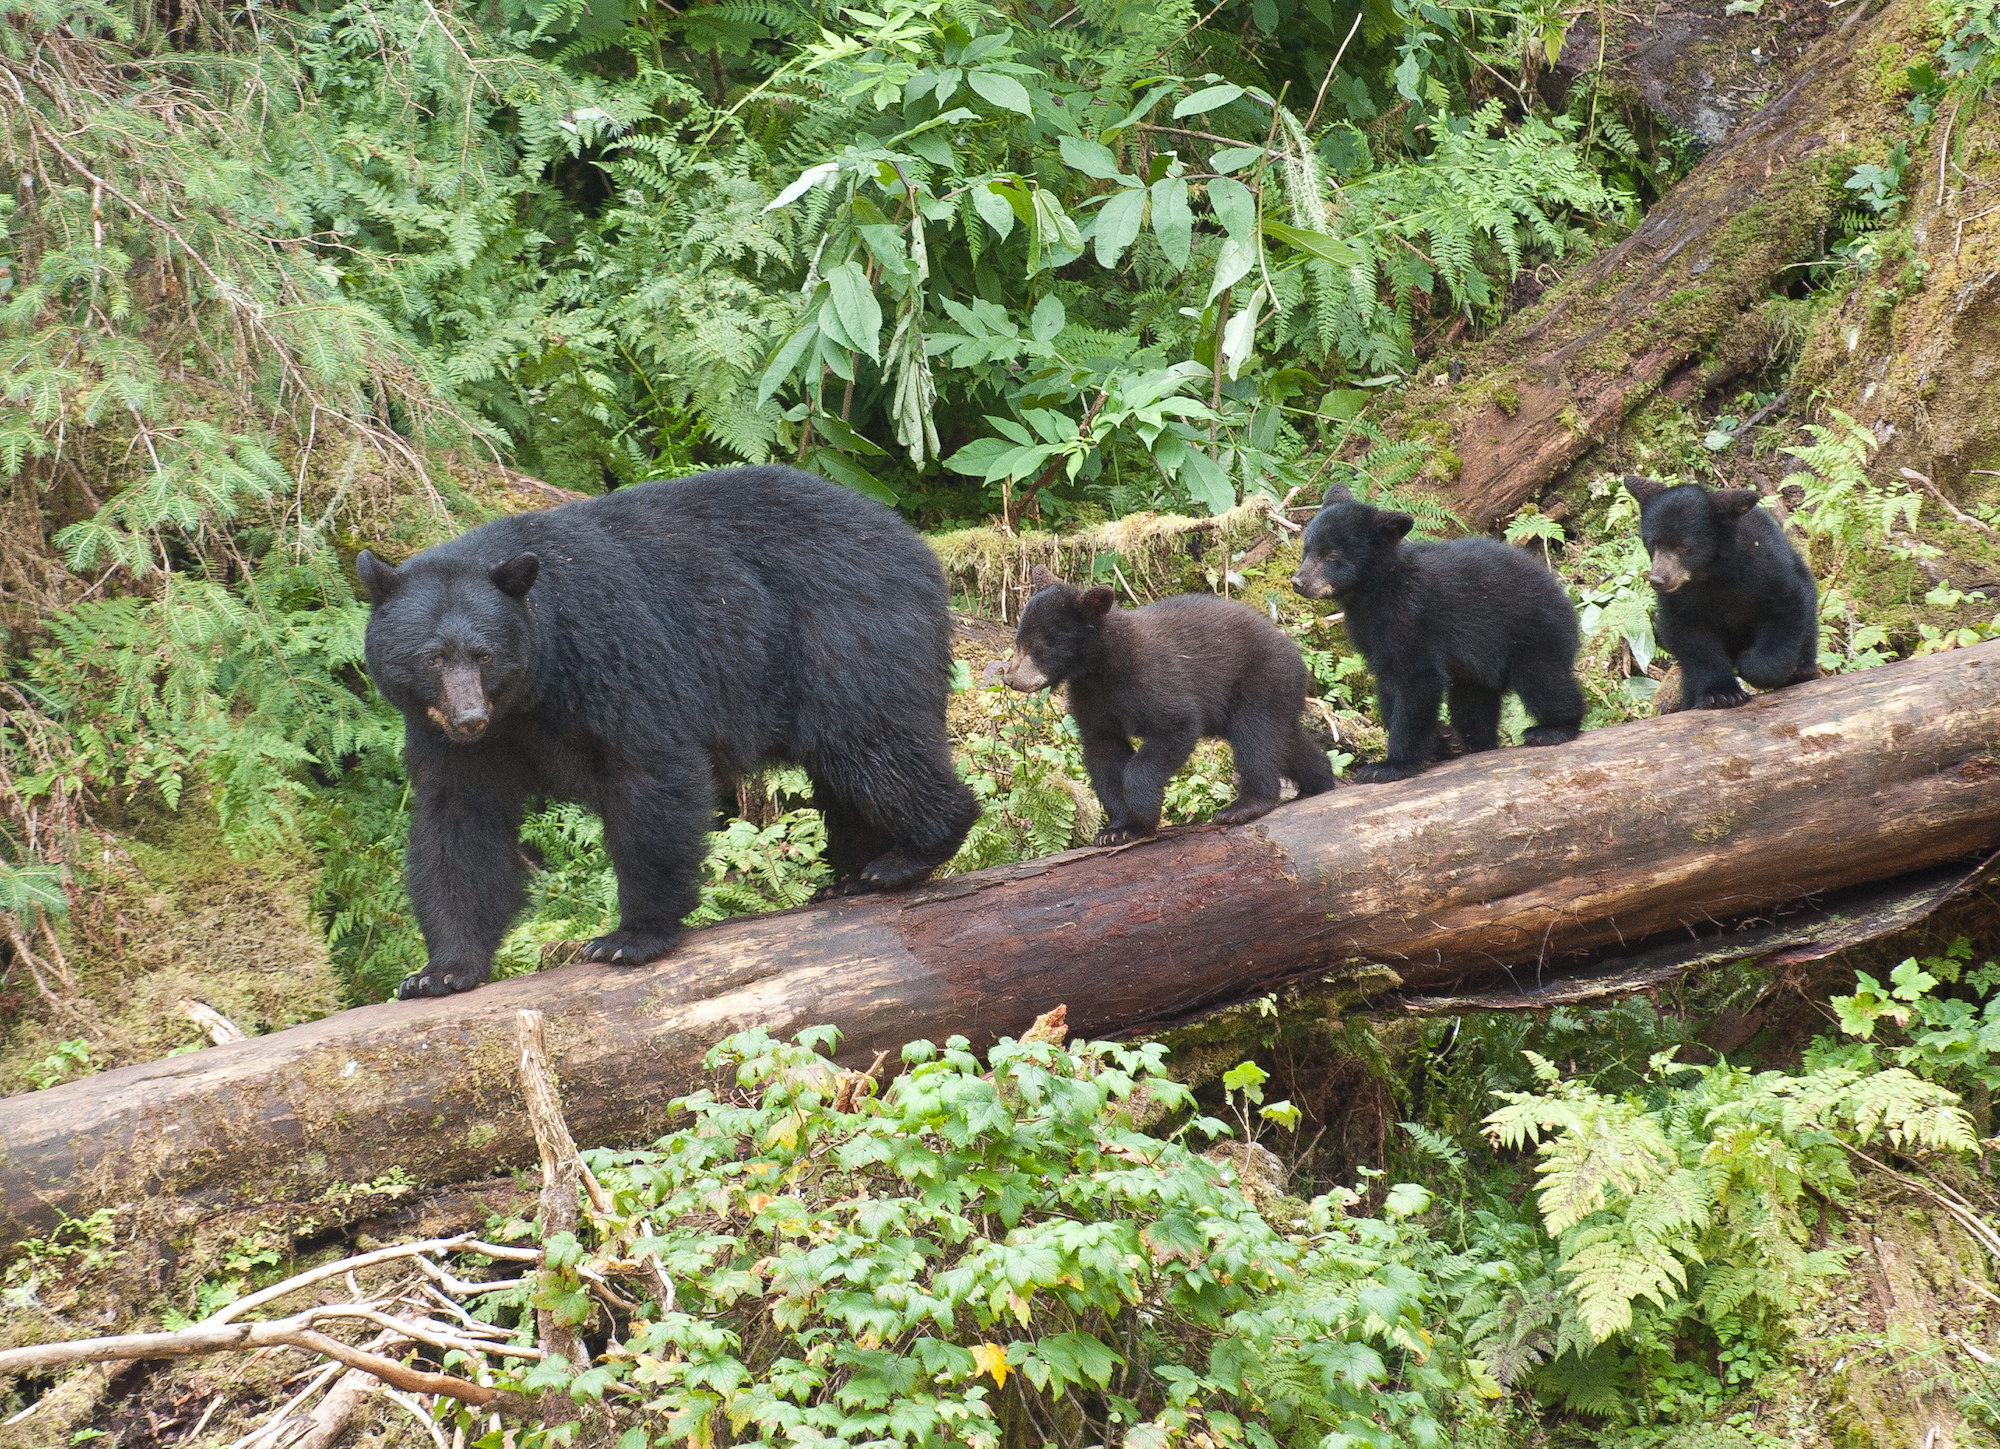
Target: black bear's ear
x=1096 y=602
x=1041 y=578
x=1643 y=488
x=1336 y=493
x=378 y=579
x=516 y=576
x=1395 y=525
x=1734 y=502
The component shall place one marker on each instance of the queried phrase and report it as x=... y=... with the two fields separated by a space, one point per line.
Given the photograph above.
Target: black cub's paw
x=1122 y=835
x=1381 y=772
x=440 y=979
x=1242 y=812
x=1548 y=735
x=852 y=885
x=893 y=871
x=1725 y=698
x=624 y=947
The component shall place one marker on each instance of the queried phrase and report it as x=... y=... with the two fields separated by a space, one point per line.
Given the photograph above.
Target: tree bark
x=1676 y=305
x=1517 y=857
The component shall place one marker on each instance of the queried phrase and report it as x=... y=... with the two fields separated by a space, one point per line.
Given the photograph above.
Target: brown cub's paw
x=1124 y=835
x=1242 y=812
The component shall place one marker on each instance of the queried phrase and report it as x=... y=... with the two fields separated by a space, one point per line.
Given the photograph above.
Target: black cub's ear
x=516 y=576
x=378 y=580
x=1395 y=525
x=1643 y=488
x=1095 y=602
x=1733 y=502
x=1041 y=578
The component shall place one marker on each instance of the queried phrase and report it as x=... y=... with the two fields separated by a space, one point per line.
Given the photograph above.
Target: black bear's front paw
x=1123 y=835
x=1381 y=772
x=442 y=979
x=1548 y=735
x=631 y=947
x=892 y=871
x=1726 y=697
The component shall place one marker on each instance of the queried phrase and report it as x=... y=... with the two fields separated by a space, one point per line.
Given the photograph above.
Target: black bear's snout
x=463 y=705
x=1310 y=581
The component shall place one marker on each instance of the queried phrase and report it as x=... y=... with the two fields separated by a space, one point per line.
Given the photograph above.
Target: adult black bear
x=1470 y=620
x=1171 y=674
x=1733 y=596
x=630 y=651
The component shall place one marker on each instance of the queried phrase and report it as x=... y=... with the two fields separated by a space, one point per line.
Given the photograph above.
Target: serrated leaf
x=991 y=1359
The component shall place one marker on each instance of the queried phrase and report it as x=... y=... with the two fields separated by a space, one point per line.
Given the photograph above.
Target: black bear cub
x=1733 y=596
x=631 y=653
x=1466 y=620
x=1171 y=674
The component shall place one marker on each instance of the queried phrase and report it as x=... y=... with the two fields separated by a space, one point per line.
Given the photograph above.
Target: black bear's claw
x=1548 y=735
x=1123 y=835
x=440 y=981
x=1381 y=772
x=1727 y=698
x=630 y=947
x=1242 y=812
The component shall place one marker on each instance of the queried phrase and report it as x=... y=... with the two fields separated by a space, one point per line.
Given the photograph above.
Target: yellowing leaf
x=992 y=1359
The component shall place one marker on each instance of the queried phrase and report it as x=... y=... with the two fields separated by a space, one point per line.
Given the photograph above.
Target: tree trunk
x=1522 y=856
x=1676 y=305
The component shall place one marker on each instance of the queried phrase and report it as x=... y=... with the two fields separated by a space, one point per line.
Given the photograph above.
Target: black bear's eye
x=486 y=659
x=436 y=661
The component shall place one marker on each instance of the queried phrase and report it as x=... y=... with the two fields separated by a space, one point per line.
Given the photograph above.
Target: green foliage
x=975 y=1254
x=1842 y=503
x=1944 y=1036
x=65 y=1057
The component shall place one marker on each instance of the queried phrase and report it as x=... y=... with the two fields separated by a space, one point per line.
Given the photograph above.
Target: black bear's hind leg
x=1410 y=709
x=1258 y=747
x=1105 y=761
x=463 y=867
x=908 y=803
x=1475 y=714
x=1785 y=652
x=656 y=832
x=1553 y=698
x=1306 y=764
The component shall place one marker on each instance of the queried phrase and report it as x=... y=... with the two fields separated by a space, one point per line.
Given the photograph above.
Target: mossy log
x=1676 y=305
x=1517 y=857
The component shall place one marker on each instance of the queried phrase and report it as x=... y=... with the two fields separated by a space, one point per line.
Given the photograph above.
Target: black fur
x=1171 y=674
x=1733 y=597
x=1468 y=620
x=631 y=653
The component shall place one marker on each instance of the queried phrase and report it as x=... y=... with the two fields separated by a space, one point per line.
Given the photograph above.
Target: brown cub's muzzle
x=1023 y=673
x=1668 y=572
x=462 y=710
x=1310 y=582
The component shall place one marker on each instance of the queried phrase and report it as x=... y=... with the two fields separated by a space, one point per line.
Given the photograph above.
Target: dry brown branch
x=330 y=1419
x=221 y=1030
x=1912 y=475
x=562 y=1175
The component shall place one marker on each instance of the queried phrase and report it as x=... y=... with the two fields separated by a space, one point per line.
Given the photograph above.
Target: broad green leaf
x=1047 y=319
x=1406 y=1200
x=1315 y=243
x=1204 y=101
x=794 y=348
x=1234 y=158
x=1090 y=158
x=845 y=438
x=1234 y=207
x=1235 y=261
x=1118 y=223
x=1207 y=483
x=853 y=302
x=994 y=209
x=849 y=474
x=1001 y=90
x=1139 y=111
x=1245 y=1077
x=1173 y=220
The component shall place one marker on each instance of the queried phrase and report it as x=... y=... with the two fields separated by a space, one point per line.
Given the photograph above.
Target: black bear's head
x=1686 y=528
x=450 y=639
x=1345 y=544
x=1061 y=634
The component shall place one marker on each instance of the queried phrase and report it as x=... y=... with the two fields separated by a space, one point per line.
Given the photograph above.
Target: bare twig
x=338 y=1269
x=330 y=1419
x=1943 y=502
x=562 y=1175
x=1320 y=99
x=1755 y=418
x=221 y=1030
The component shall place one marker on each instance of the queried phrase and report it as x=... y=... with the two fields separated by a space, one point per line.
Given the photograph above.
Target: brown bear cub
x=1172 y=674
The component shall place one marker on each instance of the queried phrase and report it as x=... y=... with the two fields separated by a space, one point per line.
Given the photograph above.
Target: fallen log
x=1676 y=306
x=1519 y=857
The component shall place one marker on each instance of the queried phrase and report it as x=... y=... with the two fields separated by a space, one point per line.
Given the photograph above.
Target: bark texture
x=1518 y=857
x=1678 y=304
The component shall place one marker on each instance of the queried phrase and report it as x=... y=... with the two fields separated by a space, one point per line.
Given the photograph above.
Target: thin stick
x=333 y=1270
x=1321 y=97
x=1943 y=502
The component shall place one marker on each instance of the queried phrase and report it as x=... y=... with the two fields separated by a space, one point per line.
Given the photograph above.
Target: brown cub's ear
x=378 y=579
x=1095 y=601
x=1395 y=525
x=1734 y=502
x=1041 y=578
x=1643 y=488
x=516 y=576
